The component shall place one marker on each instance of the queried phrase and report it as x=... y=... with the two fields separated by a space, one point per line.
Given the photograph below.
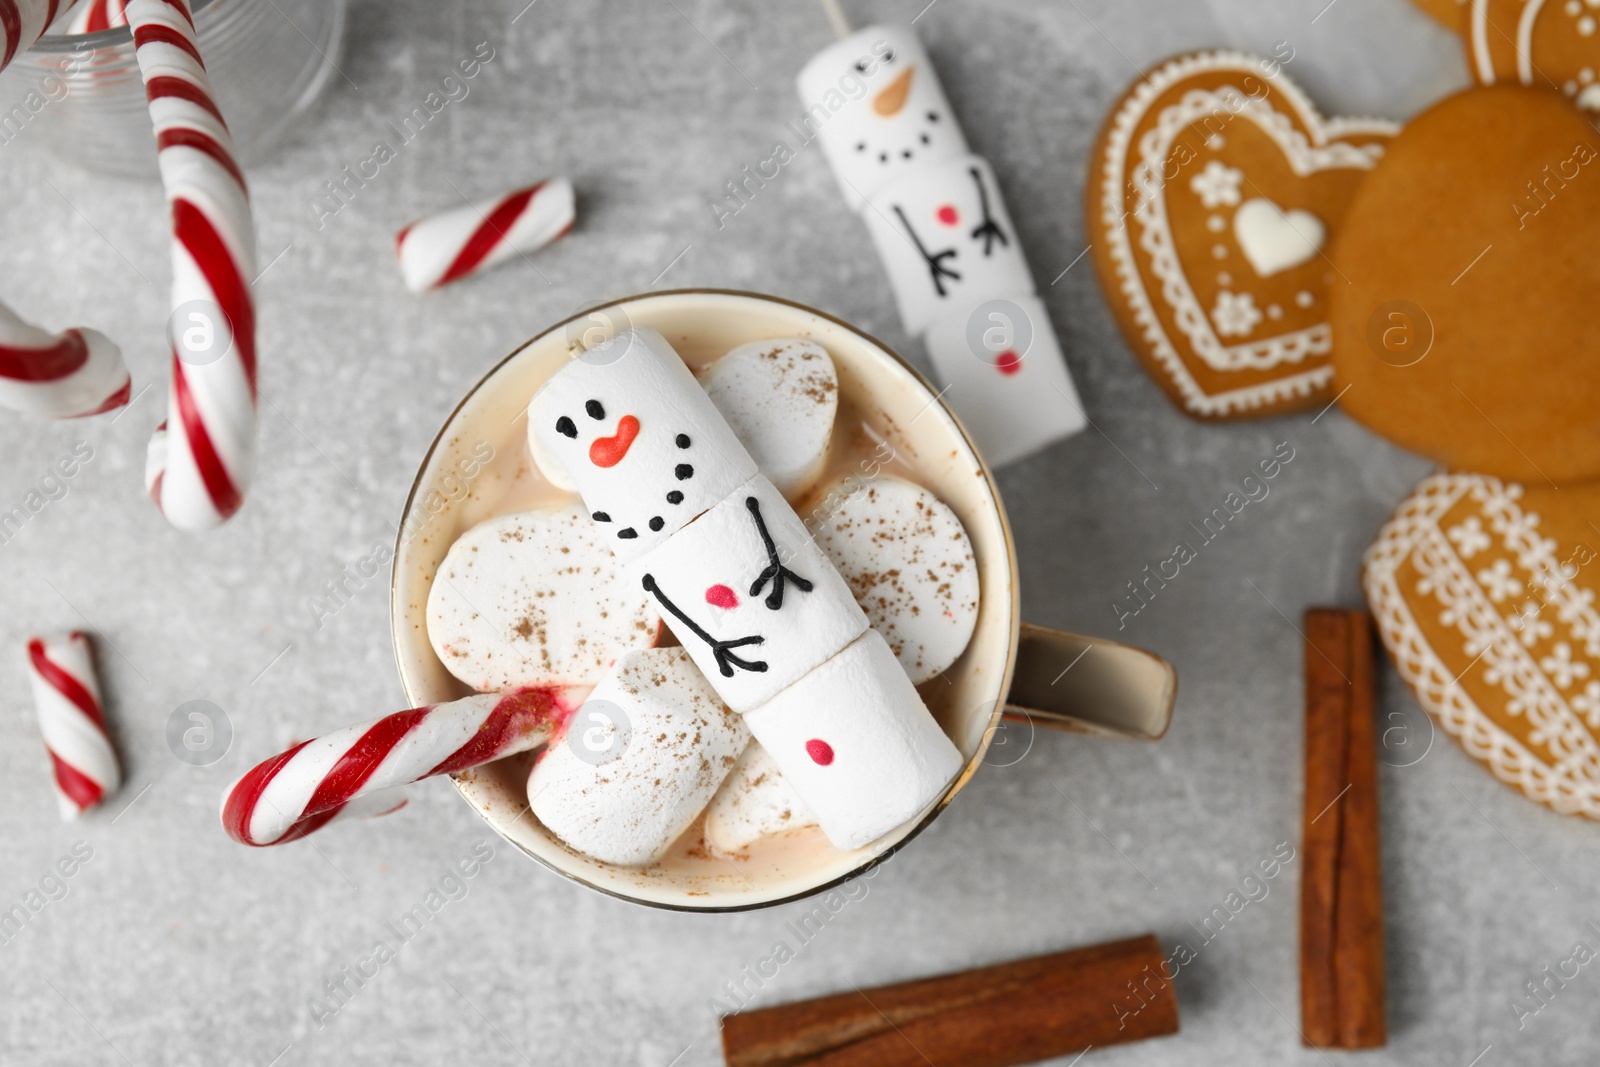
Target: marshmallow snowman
x=780 y=397
x=639 y=760
x=750 y=595
x=639 y=439
x=941 y=227
x=855 y=741
x=1006 y=376
x=947 y=240
x=878 y=109
x=755 y=801
x=756 y=603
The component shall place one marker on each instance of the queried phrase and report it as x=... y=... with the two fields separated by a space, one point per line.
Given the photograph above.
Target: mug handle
x=1090 y=685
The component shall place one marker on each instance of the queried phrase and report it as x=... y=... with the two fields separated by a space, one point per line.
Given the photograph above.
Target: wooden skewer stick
x=836 y=17
x=1341 y=890
x=1011 y=1013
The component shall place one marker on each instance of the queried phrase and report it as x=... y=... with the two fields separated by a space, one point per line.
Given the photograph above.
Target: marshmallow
x=780 y=397
x=535 y=599
x=756 y=801
x=750 y=595
x=946 y=239
x=876 y=105
x=854 y=740
x=909 y=563
x=1006 y=377
x=644 y=445
x=639 y=760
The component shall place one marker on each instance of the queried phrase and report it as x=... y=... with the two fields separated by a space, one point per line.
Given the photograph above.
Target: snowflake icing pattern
x=1469 y=537
x=1236 y=314
x=1562 y=668
x=1217 y=185
x=1499 y=581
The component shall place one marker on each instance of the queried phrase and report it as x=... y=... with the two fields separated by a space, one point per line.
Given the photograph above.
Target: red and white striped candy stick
x=93 y=16
x=303 y=789
x=59 y=375
x=204 y=454
x=23 y=22
x=455 y=244
x=66 y=695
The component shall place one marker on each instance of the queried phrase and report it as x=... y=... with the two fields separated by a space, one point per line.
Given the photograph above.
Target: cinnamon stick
x=1341 y=891
x=1010 y=1013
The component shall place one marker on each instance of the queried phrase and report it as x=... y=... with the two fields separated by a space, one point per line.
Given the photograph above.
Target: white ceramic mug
x=1011 y=668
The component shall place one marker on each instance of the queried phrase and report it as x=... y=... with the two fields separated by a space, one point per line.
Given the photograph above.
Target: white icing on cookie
x=1274 y=240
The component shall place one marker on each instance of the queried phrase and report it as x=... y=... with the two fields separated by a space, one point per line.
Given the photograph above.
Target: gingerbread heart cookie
x=1484 y=594
x=1212 y=194
x=1550 y=43
x=1464 y=323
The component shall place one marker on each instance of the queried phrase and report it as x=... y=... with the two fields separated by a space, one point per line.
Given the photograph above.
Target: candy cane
x=299 y=791
x=66 y=695
x=97 y=15
x=59 y=376
x=77 y=372
x=458 y=243
x=23 y=22
x=204 y=459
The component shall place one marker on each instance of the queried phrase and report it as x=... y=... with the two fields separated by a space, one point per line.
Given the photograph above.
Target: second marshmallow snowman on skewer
x=757 y=605
x=955 y=263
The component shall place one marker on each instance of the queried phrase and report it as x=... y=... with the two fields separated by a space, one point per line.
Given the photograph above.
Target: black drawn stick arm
x=775 y=572
x=935 y=260
x=989 y=230
x=722 y=650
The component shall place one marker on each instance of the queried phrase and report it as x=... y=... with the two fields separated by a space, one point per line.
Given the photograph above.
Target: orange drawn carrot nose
x=893 y=98
x=608 y=451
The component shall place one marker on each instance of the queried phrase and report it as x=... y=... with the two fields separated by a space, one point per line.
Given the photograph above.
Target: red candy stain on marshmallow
x=948 y=215
x=608 y=451
x=720 y=596
x=1008 y=362
x=820 y=751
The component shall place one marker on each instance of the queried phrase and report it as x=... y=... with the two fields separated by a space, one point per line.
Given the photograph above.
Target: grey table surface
x=173 y=945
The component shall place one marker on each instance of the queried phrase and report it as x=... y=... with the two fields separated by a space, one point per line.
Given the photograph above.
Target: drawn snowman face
x=908 y=106
x=639 y=438
x=900 y=121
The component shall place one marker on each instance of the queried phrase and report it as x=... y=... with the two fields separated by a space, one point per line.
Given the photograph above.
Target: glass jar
x=80 y=96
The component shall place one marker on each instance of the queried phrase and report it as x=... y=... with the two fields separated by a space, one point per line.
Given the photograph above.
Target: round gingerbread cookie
x=1465 y=326
x=1484 y=594
x=1550 y=43
x=1449 y=13
x=1213 y=192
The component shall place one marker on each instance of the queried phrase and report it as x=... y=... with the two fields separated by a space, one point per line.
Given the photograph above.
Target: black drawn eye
x=565 y=428
x=595 y=410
